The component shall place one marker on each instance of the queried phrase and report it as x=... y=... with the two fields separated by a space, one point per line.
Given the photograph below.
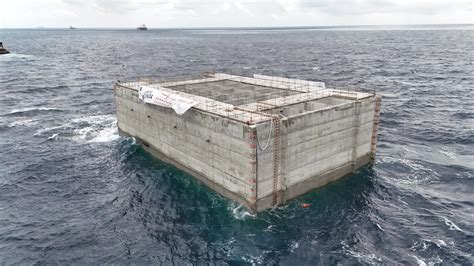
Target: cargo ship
x=142 y=27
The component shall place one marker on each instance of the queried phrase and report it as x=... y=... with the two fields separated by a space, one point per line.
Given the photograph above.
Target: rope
x=268 y=140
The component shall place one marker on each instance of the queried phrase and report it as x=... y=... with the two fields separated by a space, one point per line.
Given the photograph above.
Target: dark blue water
x=73 y=191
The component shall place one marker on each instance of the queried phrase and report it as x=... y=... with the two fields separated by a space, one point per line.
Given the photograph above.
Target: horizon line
x=247 y=27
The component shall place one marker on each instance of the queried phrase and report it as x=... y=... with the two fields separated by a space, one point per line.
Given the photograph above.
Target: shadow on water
x=172 y=206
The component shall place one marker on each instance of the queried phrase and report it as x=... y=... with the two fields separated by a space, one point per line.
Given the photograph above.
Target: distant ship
x=71 y=28
x=3 y=50
x=142 y=27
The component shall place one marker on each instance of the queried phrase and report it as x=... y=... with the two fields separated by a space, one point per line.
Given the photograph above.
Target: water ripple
x=73 y=192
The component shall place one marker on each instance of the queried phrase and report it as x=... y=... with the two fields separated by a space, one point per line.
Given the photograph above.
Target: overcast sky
x=230 y=13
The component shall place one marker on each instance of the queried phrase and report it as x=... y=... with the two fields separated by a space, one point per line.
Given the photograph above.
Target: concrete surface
x=324 y=134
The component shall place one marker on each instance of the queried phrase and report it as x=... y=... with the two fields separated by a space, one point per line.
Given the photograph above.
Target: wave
x=98 y=128
x=416 y=172
x=9 y=80
x=40 y=132
x=451 y=225
x=362 y=257
x=87 y=129
x=54 y=136
x=36 y=89
x=91 y=134
x=239 y=212
x=30 y=110
x=463 y=115
x=419 y=261
x=16 y=57
x=24 y=123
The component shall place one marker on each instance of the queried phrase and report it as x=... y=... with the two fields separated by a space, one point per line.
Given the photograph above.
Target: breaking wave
x=99 y=128
x=16 y=57
x=24 y=122
x=87 y=129
x=239 y=212
x=30 y=111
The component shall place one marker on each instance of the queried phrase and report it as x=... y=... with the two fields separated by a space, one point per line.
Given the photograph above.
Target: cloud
x=64 y=12
x=346 y=7
x=120 y=6
x=278 y=7
x=232 y=13
x=367 y=7
x=73 y=2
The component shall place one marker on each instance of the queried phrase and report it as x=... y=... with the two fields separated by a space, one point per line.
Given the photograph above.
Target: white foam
x=419 y=261
x=440 y=243
x=14 y=111
x=254 y=260
x=26 y=122
x=94 y=119
x=379 y=227
x=106 y=135
x=417 y=173
x=448 y=153
x=424 y=243
x=294 y=246
x=452 y=225
x=269 y=228
x=239 y=212
x=15 y=57
x=47 y=129
x=95 y=129
x=367 y=258
x=87 y=129
x=53 y=137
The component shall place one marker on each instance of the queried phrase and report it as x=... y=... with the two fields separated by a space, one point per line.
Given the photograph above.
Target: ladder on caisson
x=276 y=158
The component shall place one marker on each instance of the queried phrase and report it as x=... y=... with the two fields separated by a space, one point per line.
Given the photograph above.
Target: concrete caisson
x=259 y=140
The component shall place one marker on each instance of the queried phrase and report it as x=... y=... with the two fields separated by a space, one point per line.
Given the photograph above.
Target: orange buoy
x=305 y=205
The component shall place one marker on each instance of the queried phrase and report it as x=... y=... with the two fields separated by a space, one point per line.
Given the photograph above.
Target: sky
x=230 y=13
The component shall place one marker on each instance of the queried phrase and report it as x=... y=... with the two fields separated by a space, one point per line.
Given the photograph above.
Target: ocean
x=72 y=191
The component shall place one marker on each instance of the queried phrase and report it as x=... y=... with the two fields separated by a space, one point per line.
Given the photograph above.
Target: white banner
x=159 y=97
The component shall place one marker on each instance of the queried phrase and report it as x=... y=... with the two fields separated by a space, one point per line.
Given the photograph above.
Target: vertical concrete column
x=253 y=166
x=355 y=144
x=373 y=144
x=283 y=160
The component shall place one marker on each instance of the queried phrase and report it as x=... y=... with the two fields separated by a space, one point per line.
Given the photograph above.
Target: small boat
x=71 y=28
x=3 y=50
x=142 y=27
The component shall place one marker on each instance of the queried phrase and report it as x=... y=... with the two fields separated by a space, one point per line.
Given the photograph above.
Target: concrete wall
x=312 y=145
x=316 y=146
x=216 y=148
